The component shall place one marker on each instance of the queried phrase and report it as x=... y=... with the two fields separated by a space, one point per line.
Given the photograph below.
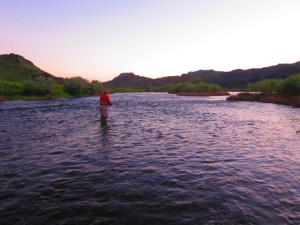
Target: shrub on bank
x=192 y=87
x=289 y=86
x=58 y=91
x=266 y=86
x=76 y=86
x=10 y=88
x=95 y=87
x=39 y=87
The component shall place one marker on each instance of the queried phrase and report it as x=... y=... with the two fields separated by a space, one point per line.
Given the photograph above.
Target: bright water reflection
x=162 y=159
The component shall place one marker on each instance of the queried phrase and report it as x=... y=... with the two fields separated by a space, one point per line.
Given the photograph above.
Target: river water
x=162 y=159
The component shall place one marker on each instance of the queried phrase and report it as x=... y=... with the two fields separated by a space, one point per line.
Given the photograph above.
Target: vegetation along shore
x=279 y=91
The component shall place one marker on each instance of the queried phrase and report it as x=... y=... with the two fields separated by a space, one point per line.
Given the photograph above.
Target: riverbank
x=267 y=98
x=202 y=93
x=27 y=98
x=34 y=98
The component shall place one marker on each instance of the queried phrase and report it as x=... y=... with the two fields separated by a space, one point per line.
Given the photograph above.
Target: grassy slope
x=14 y=70
x=17 y=68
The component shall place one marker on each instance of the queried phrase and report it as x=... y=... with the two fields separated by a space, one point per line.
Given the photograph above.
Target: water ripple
x=162 y=159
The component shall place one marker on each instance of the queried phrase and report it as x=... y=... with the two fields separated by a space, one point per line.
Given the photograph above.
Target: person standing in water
x=104 y=103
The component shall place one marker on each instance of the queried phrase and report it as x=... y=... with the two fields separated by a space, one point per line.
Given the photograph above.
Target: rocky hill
x=233 y=79
x=16 y=68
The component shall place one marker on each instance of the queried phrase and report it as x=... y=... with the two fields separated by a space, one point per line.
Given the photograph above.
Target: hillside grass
x=16 y=68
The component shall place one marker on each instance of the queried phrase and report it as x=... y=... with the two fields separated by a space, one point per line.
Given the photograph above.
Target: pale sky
x=99 y=39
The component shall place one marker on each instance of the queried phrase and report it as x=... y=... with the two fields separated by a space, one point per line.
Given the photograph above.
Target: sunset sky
x=99 y=39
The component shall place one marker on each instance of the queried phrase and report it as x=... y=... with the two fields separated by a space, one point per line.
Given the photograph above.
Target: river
x=162 y=159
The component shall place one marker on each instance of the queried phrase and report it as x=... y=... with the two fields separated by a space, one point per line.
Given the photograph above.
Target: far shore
x=242 y=96
x=202 y=93
x=48 y=97
x=267 y=98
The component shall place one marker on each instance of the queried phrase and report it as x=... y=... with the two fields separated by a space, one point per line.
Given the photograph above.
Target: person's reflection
x=105 y=143
x=105 y=135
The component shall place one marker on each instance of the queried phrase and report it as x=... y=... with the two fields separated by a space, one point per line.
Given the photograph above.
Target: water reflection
x=105 y=134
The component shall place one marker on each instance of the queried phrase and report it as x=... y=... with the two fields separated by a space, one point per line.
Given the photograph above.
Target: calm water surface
x=162 y=159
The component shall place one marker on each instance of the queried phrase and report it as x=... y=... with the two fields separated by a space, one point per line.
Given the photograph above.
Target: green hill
x=16 y=68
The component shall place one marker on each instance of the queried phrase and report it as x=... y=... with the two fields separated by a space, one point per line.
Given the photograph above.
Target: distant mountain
x=233 y=79
x=240 y=78
x=132 y=80
x=16 y=68
x=129 y=79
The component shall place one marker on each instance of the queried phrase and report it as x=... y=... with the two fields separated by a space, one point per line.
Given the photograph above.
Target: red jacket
x=105 y=100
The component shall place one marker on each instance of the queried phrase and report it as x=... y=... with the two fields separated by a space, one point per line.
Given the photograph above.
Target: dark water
x=163 y=159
